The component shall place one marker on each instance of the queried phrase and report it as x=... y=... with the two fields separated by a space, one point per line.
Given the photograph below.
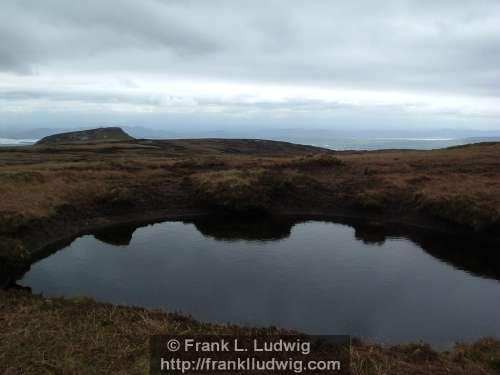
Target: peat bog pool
x=320 y=277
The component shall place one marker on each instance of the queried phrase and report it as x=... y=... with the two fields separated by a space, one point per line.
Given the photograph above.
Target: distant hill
x=85 y=136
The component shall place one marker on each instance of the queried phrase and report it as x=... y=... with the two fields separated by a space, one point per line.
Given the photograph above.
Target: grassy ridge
x=38 y=185
x=43 y=188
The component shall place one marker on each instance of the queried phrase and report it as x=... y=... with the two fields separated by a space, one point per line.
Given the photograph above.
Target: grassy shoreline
x=81 y=336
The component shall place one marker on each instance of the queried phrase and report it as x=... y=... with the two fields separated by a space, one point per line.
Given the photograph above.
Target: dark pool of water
x=319 y=277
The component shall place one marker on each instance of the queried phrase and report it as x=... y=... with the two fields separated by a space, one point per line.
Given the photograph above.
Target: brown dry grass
x=80 y=336
x=245 y=190
x=459 y=185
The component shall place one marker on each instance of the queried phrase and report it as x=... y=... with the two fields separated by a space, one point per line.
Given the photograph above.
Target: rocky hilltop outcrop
x=84 y=136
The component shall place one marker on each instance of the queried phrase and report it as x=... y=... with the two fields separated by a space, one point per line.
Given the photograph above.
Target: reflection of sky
x=319 y=280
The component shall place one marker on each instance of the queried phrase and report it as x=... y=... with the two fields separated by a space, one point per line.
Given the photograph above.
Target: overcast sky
x=333 y=63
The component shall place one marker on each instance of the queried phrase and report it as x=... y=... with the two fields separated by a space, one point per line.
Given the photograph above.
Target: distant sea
x=16 y=142
x=343 y=143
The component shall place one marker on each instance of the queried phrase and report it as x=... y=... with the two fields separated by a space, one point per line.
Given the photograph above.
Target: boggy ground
x=50 y=192
x=80 y=336
x=53 y=192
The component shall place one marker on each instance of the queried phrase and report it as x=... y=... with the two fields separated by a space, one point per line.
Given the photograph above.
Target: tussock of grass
x=245 y=190
x=475 y=212
x=312 y=161
x=200 y=163
x=235 y=190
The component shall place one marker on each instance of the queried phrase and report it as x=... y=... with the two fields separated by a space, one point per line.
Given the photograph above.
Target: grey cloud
x=239 y=105
x=163 y=101
x=83 y=97
x=56 y=31
x=18 y=50
x=430 y=46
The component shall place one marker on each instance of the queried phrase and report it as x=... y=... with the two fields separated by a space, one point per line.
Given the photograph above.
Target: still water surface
x=318 y=277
